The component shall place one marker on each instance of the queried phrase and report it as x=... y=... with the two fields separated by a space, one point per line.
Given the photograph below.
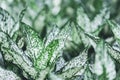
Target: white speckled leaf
x=44 y=58
x=62 y=35
x=103 y=60
x=114 y=53
x=114 y=50
x=83 y=20
x=60 y=63
x=99 y=19
x=91 y=26
x=52 y=35
x=78 y=61
x=74 y=66
x=93 y=40
x=6 y=21
x=8 y=75
x=15 y=55
x=33 y=42
x=115 y=28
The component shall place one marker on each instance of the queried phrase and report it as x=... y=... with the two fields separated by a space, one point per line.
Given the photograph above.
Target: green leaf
x=115 y=28
x=74 y=66
x=6 y=22
x=5 y=74
x=82 y=36
x=83 y=20
x=22 y=13
x=99 y=57
x=52 y=35
x=114 y=53
x=93 y=40
x=103 y=62
x=91 y=26
x=15 y=55
x=43 y=73
x=62 y=34
x=46 y=54
x=114 y=50
x=77 y=61
x=34 y=44
x=60 y=63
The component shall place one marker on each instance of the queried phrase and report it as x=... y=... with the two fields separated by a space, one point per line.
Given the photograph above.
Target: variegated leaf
x=74 y=66
x=33 y=42
x=46 y=54
x=15 y=55
x=6 y=22
x=115 y=28
x=8 y=75
x=103 y=60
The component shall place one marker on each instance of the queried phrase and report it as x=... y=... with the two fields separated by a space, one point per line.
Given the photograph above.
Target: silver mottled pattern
x=6 y=21
x=8 y=75
x=60 y=63
x=78 y=61
x=13 y=53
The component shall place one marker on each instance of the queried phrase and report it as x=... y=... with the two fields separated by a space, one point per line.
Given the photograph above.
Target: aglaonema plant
x=26 y=55
x=36 y=56
x=22 y=47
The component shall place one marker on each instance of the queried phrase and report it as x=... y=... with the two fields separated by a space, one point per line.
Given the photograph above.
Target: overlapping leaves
x=34 y=47
x=22 y=46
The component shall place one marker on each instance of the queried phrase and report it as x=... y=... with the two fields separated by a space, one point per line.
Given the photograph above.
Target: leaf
x=114 y=53
x=62 y=35
x=74 y=66
x=115 y=28
x=77 y=61
x=60 y=63
x=93 y=40
x=99 y=20
x=52 y=35
x=114 y=50
x=15 y=55
x=34 y=44
x=83 y=20
x=82 y=36
x=22 y=13
x=16 y=31
x=8 y=75
x=116 y=46
x=6 y=21
x=103 y=62
x=88 y=74
x=94 y=25
x=43 y=73
x=16 y=27
x=46 y=54
x=99 y=57
x=52 y=76
x=75 y=33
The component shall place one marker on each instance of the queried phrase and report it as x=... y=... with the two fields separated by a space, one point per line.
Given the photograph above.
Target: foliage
x=59 y=40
